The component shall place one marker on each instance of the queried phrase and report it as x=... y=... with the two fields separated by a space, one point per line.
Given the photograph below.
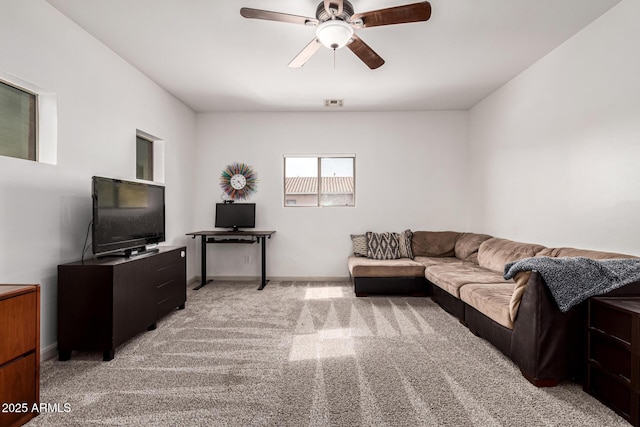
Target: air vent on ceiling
x=333 y=103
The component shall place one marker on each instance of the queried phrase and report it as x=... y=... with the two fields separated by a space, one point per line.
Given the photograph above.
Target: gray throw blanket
x=573 y=280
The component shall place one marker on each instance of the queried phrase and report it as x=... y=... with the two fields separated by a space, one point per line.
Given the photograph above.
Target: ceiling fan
x=335 y=23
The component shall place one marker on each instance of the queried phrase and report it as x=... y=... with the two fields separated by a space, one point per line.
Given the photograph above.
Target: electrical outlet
x=247 y=259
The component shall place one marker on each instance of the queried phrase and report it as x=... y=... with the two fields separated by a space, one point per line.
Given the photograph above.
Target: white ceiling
x=212 y=59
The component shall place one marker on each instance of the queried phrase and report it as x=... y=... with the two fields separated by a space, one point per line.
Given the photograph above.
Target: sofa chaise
x=463 y=273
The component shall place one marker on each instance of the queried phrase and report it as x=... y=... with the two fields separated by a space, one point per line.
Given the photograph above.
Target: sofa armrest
x=546 y=344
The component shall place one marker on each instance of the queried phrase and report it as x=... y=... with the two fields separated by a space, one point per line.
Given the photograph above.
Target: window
x=144 y=158
x=150 y=154
x=28 y=121
x=18 y=123
x=319 y=180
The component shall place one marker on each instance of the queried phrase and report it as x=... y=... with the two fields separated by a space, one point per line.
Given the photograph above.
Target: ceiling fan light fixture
x=334 y=34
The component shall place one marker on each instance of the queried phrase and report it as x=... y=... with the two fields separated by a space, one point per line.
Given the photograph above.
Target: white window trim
x=319 y=156
x=46 y=118
x=158 y=156
x=339 y=155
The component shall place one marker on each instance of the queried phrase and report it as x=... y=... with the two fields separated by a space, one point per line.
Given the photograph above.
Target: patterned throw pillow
x=359 y=242
x=382 y=245
x=404 y=244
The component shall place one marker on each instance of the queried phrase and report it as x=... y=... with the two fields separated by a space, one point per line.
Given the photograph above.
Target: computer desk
x=222 y=236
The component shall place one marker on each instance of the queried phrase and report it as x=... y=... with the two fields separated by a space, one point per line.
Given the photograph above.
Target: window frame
x=149 y=149
x=32 y=141
x=157 y=160
x=46 y=120
x=319 y=192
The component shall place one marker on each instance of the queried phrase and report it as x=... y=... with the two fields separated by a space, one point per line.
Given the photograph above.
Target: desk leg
x=203 y=263
x=264 y=263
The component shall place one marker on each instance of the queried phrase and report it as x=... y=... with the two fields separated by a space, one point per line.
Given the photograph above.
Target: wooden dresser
x=19 y=353
x=613 y=354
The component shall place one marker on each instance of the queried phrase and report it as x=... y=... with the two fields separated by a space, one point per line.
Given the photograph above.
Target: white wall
x=411 y=172
x=555 y=151
x=102 y=100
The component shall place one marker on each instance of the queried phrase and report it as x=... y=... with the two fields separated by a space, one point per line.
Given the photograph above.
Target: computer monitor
x=235 y=215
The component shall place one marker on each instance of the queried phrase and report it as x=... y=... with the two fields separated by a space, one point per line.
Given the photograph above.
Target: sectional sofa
x=463 y=273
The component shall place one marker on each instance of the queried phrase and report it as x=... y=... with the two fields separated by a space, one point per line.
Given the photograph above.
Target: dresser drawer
x=613 y=393
x=168 y=305
x=611 y=355
x=171 y=272
x=19 y=329
x=613 y=321
x=170 y=295
x=173 y=268
x=17 y=379
x=170 y=288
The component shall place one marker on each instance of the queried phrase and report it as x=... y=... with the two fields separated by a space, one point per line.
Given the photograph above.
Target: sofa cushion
x=430 y=261
x=494 y=253
x=467 y=246
x=452 y=276
x=382 y=245
x=359 y=244
x=404 y=244
x=367 y=267
x=490 y=299
x=434 y=243
x=573 y=252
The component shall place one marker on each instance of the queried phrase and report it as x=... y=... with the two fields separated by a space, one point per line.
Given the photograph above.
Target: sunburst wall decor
x=238 y=181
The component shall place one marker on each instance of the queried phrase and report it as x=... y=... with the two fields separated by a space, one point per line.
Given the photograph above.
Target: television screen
x=235 y=215
x=126 y=215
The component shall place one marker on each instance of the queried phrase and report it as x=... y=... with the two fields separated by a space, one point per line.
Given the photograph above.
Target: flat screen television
x=127 y=216
x=235 y=215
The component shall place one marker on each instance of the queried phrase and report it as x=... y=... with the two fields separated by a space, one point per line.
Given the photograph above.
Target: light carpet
x=306 y=354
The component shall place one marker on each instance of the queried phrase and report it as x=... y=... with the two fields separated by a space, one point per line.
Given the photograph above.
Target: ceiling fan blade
x=305 y=54
x=365 y=53
x=338 y=4
x=248 y=12
x=393 y=15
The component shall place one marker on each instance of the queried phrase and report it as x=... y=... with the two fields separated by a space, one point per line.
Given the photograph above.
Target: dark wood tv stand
x=104 y=302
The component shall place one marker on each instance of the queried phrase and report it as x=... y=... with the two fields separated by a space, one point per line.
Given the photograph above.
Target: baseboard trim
x=310 y=278
x=49 y=352
x=277 y=278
